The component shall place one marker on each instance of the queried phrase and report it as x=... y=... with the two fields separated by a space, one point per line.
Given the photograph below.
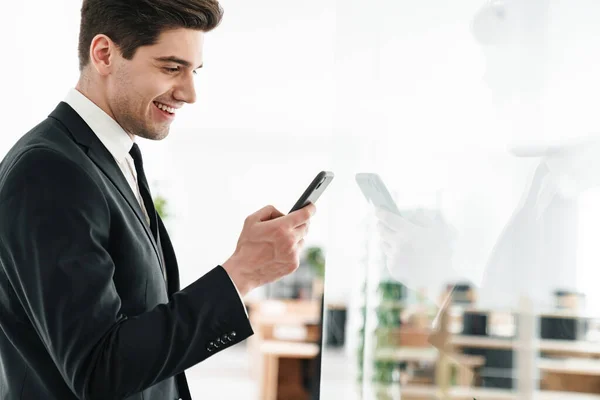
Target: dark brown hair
x=135 y=23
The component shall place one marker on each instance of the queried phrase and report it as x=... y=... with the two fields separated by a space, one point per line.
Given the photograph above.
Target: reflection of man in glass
x=539 y=244
x=540 y=247
x=536 y=252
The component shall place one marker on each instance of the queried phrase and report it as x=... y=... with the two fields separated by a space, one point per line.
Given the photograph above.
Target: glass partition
x=480 y=282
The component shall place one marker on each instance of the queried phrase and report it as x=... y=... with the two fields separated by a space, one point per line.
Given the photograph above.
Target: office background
x=291 y=88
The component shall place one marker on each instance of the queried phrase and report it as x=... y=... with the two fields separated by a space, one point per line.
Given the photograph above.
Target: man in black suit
x=90 y=303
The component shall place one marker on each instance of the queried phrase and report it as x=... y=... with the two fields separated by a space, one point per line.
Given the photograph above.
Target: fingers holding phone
x=270 y=242
x=268 y=248
x=295 y=223
x=266 y=214
x=301 y=231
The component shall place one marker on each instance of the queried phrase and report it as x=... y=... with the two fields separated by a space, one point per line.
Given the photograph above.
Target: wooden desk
x=483 y=342
x=572 y=374
x=563 y=347
x=407 y=354
x=425 y=354
x=286 y=320
x=279 y=380
x=466 y=364
x=285 y=312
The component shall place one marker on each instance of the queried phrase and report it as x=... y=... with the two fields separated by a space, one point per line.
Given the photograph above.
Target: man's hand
x=269 y=247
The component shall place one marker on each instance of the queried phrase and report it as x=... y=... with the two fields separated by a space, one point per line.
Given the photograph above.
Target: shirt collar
x=110 y=133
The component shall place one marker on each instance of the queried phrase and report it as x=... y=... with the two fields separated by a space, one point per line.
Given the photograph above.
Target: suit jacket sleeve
x=53 y=246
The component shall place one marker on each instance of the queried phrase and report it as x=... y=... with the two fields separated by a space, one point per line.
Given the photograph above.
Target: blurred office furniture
x=498 y=369
x=296 y=286
x=463 y=294
x=335 y=335
x=313 y=371
x=558 y=327
x=282 y=375
x=475 y=323
x=478 y=360
x=570 y=374
x=569 y=300
x=475 y=354
x=306 y=283
x=285 y=347
x=561 y=325
x=283 y=320
x=568 y=362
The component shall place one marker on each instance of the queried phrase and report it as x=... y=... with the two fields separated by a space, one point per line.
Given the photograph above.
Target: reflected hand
x=418 y=248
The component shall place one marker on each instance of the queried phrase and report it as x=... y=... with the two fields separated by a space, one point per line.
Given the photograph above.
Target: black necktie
x=136 y=154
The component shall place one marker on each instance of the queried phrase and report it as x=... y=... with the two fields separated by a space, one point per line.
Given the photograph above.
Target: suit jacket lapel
x=84 y=136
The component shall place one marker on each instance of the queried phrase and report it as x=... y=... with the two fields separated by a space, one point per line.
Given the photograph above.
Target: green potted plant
x=160 y=203
x=315 y=258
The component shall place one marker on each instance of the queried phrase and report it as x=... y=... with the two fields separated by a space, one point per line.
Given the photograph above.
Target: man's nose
x=186 y=91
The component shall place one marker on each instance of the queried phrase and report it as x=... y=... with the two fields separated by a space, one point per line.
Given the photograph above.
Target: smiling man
x=90 y=302
x=141 y=80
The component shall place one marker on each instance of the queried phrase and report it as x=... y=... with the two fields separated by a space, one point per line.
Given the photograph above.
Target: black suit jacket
x=85 y=312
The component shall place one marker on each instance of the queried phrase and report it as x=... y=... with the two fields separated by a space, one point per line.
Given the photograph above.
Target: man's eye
x=171 y=70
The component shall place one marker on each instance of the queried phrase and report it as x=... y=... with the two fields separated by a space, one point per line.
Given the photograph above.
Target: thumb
x=267 y=213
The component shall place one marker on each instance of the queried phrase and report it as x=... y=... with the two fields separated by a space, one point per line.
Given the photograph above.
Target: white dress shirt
x=115 y=139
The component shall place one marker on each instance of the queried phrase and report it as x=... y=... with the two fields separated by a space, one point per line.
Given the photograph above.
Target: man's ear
x=102 y=54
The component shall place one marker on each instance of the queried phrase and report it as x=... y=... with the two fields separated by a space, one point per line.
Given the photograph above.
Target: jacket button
x=225 y=339
x=212 y=346
x=209 y=349
x=233 y=334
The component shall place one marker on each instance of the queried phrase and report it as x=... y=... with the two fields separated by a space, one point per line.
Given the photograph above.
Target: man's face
x=145 y=92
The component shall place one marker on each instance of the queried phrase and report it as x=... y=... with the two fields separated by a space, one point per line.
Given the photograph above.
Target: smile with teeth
x=165 y=108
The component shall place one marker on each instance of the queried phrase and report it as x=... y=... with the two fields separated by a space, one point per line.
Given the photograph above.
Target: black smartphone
x=314 y=190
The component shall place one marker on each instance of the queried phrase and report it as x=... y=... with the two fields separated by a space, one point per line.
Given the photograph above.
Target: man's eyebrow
x=177 y=60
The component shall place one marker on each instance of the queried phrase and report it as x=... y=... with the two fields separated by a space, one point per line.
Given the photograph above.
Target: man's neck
x=89 y=89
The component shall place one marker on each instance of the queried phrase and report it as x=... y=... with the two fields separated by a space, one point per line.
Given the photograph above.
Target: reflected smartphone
x=376 y=192
x=314 y=190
